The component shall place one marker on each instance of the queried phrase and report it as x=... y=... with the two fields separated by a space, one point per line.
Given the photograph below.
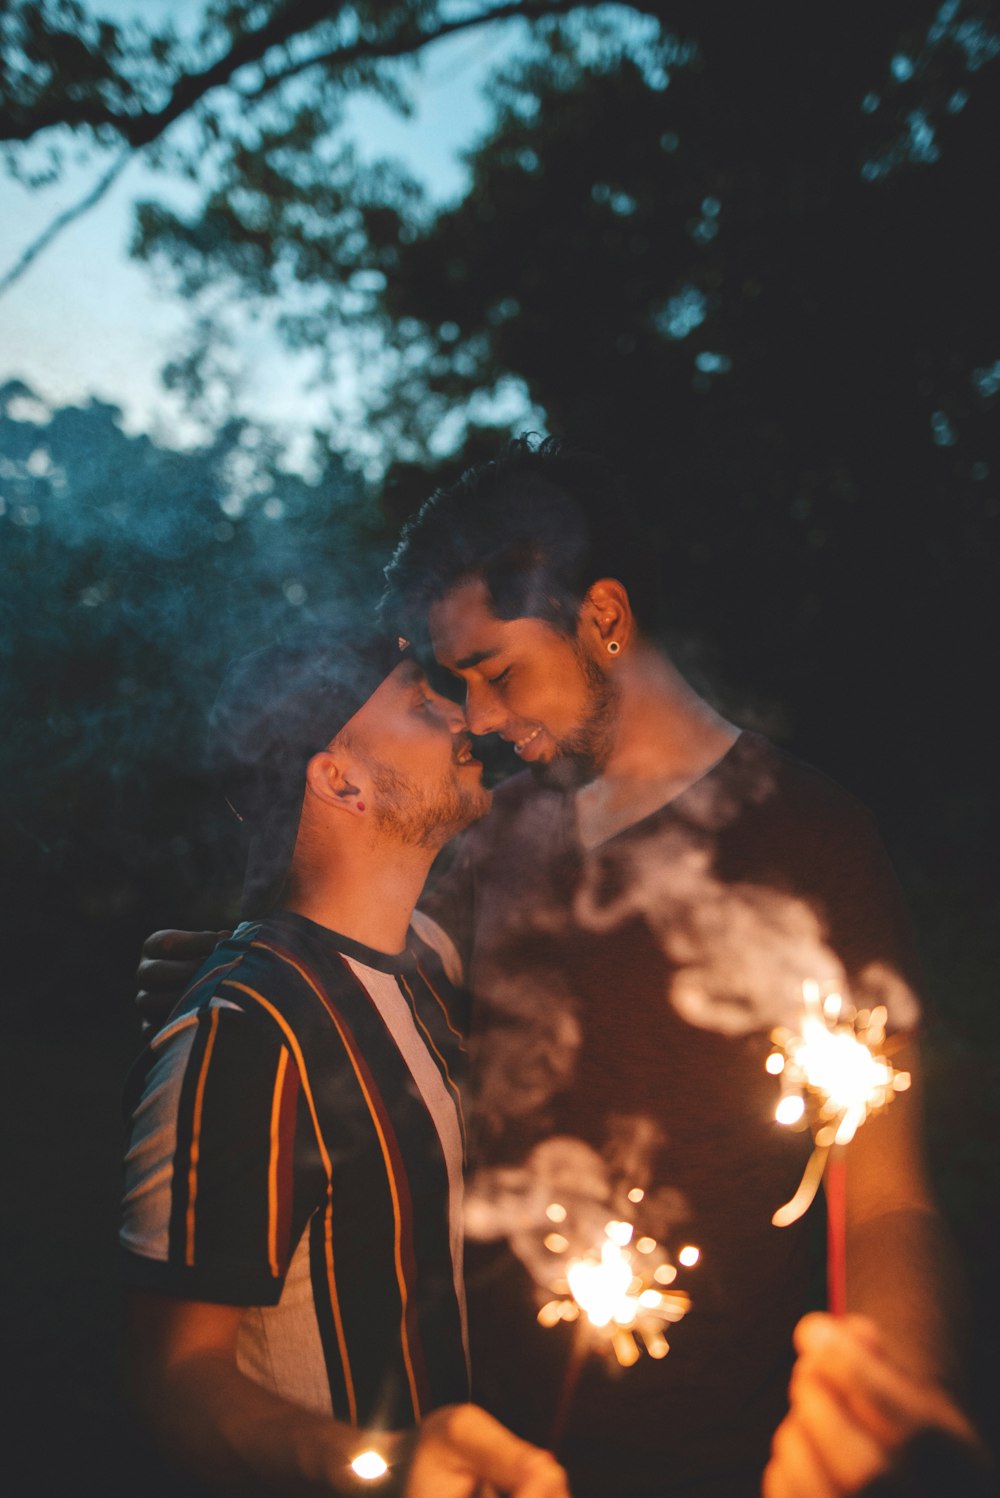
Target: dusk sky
x=85 y=320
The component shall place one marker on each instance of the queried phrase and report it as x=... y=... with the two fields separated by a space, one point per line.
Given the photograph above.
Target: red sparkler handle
x=836 y=1233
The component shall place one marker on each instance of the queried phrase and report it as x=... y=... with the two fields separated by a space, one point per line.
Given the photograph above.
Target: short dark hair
x=538 y=524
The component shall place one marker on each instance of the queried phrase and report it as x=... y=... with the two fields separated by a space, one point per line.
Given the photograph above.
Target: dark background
x=767 y=289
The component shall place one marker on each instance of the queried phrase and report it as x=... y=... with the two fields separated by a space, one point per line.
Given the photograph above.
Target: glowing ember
x=369 y=1465
x=614 y=1290
x=834 y=1070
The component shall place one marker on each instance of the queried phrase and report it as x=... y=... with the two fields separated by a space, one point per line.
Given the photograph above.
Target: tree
x=131 y=575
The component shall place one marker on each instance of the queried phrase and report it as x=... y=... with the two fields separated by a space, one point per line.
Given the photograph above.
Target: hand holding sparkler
x=856 y=1418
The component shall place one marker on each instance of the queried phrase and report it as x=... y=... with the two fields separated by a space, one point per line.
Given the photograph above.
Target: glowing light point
x=613 y=1288
x=790 y=1109
x=833 y=1069
x=775 y=1063
x=636 y=1194
x=689 y=1255
x=625 y=1349
x=555 y=1212
x=369 y=1465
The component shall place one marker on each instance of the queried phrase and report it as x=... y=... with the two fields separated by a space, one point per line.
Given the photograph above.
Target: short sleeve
x=209 y=1169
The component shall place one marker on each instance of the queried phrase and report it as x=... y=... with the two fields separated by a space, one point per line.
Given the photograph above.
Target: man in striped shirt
x=291 y=1236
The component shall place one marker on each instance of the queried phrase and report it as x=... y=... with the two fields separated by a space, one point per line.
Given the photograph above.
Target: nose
x=450 y=712
x=482 y=711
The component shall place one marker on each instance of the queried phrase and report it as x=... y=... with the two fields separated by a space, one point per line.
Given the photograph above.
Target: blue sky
x=86 y=321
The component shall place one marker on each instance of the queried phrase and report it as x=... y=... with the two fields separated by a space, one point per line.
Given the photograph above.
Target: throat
x=612 y=803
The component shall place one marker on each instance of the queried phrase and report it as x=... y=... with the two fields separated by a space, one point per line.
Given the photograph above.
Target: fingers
x=848 y=1454
x=847 y=1355
x=794 y=1470
x=462 y=1446
x=186 y=946
x=853 y=1414
x=170 y=958
x=169 y=961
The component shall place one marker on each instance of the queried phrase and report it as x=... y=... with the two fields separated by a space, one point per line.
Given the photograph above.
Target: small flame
x=835 y=1061
x=370 y=1465
x=618 y=1296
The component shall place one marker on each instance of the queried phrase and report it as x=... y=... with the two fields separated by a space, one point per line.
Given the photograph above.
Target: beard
x=583 y=755
x=422 y=816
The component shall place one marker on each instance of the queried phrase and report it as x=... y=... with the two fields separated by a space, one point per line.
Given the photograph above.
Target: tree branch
x=140 y=129
x=414 y=41
x=64 y=219
x=296 y=16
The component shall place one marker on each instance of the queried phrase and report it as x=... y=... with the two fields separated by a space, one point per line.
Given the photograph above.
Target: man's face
x=427 y=786
x=536 y=687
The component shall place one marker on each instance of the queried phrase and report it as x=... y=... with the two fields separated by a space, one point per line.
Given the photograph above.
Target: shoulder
x=266 y=972
x=760 y=775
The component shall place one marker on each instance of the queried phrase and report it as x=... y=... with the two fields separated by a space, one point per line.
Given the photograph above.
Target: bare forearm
x=228 y=1430
x=903 y=1271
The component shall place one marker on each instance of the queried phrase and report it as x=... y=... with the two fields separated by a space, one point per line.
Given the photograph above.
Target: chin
x=565 y=772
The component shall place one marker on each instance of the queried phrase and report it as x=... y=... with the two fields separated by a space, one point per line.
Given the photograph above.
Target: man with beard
x=291 y=1232
x=634 y=917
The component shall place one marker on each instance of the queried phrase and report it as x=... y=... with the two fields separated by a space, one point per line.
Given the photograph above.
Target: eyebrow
x=468 y=661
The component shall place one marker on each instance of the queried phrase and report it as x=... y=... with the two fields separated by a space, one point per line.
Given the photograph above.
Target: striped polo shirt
x=296 y=1147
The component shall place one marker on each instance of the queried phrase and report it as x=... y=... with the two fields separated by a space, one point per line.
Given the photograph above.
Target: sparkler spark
x=834 y=1075
x=369 y=1465
x=617 y=1288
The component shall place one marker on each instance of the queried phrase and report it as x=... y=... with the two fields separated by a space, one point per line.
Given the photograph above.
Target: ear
x=331 y=777
x=606 y=619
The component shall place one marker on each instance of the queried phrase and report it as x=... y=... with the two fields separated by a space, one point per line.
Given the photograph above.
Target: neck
x=666 y=737
x=365 y=893
x=664 y=728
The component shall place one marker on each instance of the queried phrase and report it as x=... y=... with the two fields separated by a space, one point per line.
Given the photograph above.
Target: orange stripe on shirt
x=199 y=1099
x=293 y=1043
x=272 y=1166
x=352 y=1055
x=442 y=1005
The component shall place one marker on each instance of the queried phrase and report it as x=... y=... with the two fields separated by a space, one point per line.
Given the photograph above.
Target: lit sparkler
x=834 y=1075
x=620 y=1287
x=617 y=1293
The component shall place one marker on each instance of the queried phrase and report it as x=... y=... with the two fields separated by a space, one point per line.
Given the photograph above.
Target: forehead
x=390 y=698
x=465 y=631
x=463 y=625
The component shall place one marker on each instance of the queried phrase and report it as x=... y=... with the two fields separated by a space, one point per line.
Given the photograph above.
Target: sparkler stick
x=616 y=1294
x=834 y=1075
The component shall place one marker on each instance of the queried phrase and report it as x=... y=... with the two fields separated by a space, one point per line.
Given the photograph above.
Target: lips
x=462 y=753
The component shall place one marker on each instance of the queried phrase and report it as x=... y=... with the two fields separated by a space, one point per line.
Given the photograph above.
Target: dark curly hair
x=538 y=524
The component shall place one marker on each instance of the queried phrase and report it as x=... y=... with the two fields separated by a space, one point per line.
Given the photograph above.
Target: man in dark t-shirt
x=624 y=997
x=636 y=915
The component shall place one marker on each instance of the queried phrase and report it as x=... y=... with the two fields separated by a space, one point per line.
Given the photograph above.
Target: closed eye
x=499 y=679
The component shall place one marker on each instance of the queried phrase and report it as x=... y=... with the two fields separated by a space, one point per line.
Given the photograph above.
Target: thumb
x=462 y=1445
